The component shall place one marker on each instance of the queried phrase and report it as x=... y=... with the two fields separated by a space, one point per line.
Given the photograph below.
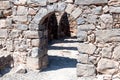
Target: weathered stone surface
x=80 y=20
x=88 y=2
x=15 y=33
x=97 y=10
x=21 y=69
x=45 y=61
x=85 y=70
x=52 y=1
x=114 y=9
x=3 y=33
x=9 y=23
x=69 y=1
x=76 y=13
x=107 y=66
x=82 y=35
x=5 y=4
x=3 y=23
x=114 y=2
x=69 y=8
x=9 y=45
x=92 y=19
x=105 y=9
x=7 y=13
x=51 y=8
x=61 y=6
x=20 y=18
x=83 y=58
x=21 y=10
x=21 y=27
x=86 y=27
x=107 y=52
x=34 y=27
x=116 y=53
x=33 y=34
x=108 y=35
x=35 y=52
x=32 y=11
x=106 y=18
x=37 y=2
x=35 y=42
x=33 y=63
x=41 y=13
x=86 y=48
x=87 y=78
x=19 y=2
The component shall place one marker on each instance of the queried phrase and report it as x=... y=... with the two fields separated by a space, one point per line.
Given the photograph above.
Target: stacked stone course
x=97 y=22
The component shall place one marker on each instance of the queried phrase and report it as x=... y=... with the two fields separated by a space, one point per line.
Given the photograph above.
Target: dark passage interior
x=59 y=35
x=57 y=28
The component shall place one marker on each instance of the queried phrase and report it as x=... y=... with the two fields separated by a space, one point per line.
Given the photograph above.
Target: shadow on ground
x=5 y=70
x=56 y=62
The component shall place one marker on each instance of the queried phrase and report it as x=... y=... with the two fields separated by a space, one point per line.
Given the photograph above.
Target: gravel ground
x=62 y=63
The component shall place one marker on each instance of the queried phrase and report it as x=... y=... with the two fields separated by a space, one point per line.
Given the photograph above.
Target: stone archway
x=97 y=21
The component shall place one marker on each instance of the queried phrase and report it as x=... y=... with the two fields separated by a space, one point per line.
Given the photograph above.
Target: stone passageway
x=62 y=63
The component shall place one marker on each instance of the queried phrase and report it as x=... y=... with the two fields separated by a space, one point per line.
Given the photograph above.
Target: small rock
x=97 y=10
x=76 y=13
x=116 y=53
x=107 y=66
x=86 y=48
x=82 y=36
x=86 y=27
x=85 y=70
x=69 y=8
x=105 y=9
x=21 y=69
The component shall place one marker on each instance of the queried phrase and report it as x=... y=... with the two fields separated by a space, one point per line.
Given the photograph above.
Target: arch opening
x=61 y=40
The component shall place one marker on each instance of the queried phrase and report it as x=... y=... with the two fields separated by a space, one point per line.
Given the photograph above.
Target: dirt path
x=62 y=63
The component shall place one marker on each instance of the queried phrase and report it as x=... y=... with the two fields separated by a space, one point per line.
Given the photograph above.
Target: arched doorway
x=62 y=50
x=60 y=30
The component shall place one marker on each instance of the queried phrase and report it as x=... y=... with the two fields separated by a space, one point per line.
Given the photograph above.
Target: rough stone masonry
x=98 y=31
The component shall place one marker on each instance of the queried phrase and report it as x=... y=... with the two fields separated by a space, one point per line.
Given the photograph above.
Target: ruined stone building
x=26 y=26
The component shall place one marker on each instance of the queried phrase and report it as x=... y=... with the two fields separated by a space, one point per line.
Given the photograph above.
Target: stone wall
x=97 y=22
x=99 y=38
x=22 y=32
